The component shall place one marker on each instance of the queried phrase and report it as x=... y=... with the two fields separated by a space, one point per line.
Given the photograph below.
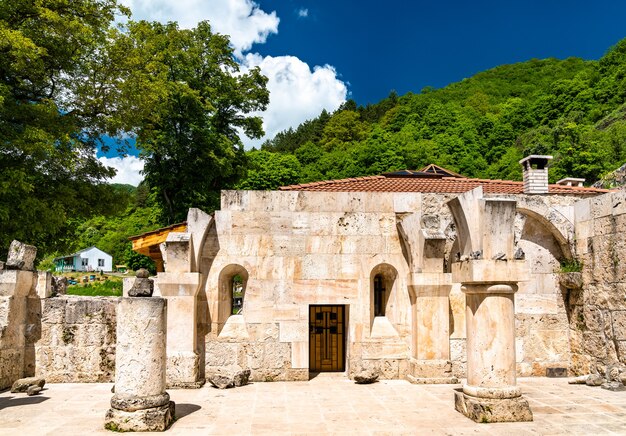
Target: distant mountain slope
x=479 y=127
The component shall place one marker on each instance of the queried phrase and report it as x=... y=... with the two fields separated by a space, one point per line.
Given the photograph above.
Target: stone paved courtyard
x=327 y=404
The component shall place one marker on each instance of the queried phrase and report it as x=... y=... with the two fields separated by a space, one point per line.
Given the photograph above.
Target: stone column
x=491 y=394
x=140 y=402
x=489 y=270
x=17 y=281
x=180 y=287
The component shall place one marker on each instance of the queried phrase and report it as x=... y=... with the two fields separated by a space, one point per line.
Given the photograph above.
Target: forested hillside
x=480 y=127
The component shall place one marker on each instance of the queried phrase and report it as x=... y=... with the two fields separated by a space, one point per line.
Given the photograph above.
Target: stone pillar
x=489 y=270
x=491 y=394
x=183 y=361
x=429 y=289
x=490 y=326
x=180 y=287
x=14 y=289
x=430 y=360
x=140 y=402
x=17 y=282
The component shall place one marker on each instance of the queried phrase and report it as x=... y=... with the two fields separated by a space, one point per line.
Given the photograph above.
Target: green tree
x=344 y=127
x=48 y=169
x=182 y=94
x=269 y=171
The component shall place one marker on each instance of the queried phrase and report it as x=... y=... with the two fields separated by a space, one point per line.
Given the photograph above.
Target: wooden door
x=326 y=338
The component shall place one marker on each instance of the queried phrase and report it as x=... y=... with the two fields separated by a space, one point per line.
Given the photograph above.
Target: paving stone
x=317 y=406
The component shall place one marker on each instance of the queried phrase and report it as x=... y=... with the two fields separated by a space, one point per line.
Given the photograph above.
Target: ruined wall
x=597 y=311
x=15 y=288
x=542 y=329
x=77 y=339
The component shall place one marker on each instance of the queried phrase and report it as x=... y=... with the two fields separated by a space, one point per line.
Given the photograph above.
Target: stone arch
x=547 y=237
x=382 y=275
x=554 y=221
x=226 y=285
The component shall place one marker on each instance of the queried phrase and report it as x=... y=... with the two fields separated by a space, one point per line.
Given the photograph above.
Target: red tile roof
x=444 y=185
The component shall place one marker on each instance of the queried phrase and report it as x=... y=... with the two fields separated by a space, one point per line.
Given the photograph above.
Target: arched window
x=382 y=285
x=379 y=295
x=232 y=291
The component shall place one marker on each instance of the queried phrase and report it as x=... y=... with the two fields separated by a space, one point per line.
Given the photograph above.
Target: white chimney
x=535 y=169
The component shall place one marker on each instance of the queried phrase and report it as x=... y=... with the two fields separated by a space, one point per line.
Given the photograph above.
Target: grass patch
x=570 y=265
x=112 y=287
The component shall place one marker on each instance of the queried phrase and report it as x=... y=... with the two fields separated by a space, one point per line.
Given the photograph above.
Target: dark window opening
x=379 y=295
x=237 y=294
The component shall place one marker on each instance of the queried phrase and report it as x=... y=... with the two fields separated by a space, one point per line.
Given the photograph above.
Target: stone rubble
x=580 y=380
x=615 y=386
x=594 y=380
x=613 y=380
x=23 y=384
x=59 y=285
x=21 y=256
x=366 y=377
x=226 y=380
x=33 y=390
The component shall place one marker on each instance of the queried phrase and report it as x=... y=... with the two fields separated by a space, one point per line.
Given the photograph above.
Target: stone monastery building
x=359 y=273
x=421 y=275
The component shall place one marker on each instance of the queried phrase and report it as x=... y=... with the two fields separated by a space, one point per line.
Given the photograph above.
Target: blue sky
x=377 y=46
x=318 y=53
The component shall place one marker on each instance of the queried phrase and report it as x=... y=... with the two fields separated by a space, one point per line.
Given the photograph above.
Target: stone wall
x=297 y=249
x=77 y=339
x=597 y=311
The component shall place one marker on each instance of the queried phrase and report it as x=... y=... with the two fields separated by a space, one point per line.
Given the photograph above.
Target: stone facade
x=295 y=249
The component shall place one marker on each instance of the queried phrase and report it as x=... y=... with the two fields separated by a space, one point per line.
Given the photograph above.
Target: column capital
x=488 y=271
x=489 y=288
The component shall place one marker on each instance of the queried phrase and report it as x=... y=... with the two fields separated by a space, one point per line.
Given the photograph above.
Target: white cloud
x=243 y=20
x=296 y=93
x=128 y=169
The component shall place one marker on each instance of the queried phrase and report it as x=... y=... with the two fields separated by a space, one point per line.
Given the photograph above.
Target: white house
x=88 y=259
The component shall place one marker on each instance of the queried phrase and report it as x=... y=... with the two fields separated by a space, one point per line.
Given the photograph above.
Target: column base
x=152 y=419
x=432 y=380
x=487 y=410
x=430 y=372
